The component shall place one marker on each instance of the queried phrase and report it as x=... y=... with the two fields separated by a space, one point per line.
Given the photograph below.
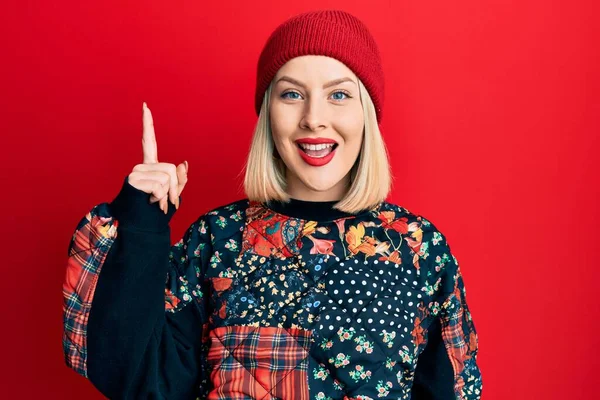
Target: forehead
x=315 y=69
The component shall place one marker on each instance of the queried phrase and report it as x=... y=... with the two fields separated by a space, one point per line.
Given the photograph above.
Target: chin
x=320 y=179
x=320 y=188
x=319 y=185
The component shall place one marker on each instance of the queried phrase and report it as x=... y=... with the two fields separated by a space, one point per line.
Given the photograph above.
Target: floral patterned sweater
x=290 y=301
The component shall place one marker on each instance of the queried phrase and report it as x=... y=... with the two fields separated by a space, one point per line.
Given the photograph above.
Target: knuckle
x=156 y=188
x=163 y=178
x=160 y=195
x=133 y=178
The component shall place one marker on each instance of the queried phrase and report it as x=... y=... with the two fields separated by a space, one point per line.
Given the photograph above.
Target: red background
x=491 y=117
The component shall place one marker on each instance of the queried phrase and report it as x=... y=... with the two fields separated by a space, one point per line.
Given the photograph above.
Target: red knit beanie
x=331 y=33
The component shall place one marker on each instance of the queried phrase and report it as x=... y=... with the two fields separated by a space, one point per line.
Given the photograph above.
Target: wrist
x=131 y=207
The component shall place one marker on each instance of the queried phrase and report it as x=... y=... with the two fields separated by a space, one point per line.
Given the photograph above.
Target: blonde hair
x=370 y=176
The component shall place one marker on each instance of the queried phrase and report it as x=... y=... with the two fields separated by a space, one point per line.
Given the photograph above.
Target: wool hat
x=331 y=33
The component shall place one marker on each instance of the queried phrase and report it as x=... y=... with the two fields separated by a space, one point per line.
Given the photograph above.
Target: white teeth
x=315 y=147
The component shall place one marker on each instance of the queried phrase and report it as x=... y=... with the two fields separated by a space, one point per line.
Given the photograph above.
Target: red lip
x=316 y=141
x=313 y=161
x=316 y=162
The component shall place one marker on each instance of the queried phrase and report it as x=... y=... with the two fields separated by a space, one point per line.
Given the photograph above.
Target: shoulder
x=428 y=250
x=415 y=223
x=227 y=209
x=428 y=244
x=222 y=221
x=223 y=211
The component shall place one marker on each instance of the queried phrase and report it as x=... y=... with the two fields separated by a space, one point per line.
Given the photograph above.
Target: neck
x=308 y=210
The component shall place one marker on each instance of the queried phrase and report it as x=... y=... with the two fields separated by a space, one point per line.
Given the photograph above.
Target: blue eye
x=339 y=92
x=337 y=96
x=285 y=95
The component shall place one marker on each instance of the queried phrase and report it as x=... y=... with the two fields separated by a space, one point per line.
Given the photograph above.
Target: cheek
x=278 y=131
x=282 y=124
x=352 y=131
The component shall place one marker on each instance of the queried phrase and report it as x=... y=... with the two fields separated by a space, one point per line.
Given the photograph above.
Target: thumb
x=182 y=172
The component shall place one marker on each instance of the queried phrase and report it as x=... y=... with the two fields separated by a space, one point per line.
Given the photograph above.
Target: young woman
x=314 y=287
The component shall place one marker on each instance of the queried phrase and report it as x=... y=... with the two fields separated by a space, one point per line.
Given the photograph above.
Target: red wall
x=491 y=118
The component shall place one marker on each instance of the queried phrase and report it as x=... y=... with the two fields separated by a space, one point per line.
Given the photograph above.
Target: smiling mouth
x=317 y=150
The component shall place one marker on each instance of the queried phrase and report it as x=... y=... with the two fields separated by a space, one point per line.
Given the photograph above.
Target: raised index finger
x=148 y=137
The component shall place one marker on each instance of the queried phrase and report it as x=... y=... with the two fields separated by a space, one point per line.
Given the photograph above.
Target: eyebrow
x=325 y=86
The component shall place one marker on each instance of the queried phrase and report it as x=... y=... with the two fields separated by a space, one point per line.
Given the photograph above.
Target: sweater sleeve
x=133 y=304
x=448 y=367
x=434 y=377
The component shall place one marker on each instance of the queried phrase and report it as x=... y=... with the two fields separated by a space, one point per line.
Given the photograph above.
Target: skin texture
x=306 y=109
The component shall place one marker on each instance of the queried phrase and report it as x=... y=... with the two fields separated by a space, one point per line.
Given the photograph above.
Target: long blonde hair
x=370 y=176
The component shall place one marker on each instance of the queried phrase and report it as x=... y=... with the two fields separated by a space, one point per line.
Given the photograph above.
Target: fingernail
x=177 y=204
x=186 y=166
x=144 y=105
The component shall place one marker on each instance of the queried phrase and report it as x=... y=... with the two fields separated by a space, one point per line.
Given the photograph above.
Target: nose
x=314 y=117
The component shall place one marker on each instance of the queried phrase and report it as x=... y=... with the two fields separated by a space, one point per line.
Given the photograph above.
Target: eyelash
x=337 y=91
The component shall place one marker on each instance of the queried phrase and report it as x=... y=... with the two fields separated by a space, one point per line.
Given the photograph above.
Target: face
x=317 y=123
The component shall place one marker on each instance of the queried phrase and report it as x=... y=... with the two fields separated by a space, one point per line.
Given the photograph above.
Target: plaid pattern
x=460 y=338
x=259 y=363
x=88 y=248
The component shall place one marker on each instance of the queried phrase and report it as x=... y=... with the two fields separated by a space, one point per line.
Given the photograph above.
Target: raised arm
x=134 y=304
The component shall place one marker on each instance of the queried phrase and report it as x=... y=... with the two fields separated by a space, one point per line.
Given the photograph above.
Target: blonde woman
x=313 y=287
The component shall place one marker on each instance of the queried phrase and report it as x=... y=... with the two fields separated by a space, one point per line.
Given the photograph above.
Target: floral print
x=383 y=388
x=340 y=361
x=363 y=345
x=345 y=334
x=388 y=338
x=320 y=373
x=360 y=373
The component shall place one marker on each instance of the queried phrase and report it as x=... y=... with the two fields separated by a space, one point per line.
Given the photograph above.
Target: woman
x=314 y=287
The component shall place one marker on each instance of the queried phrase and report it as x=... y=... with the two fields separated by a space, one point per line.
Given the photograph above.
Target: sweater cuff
x=132 y=208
